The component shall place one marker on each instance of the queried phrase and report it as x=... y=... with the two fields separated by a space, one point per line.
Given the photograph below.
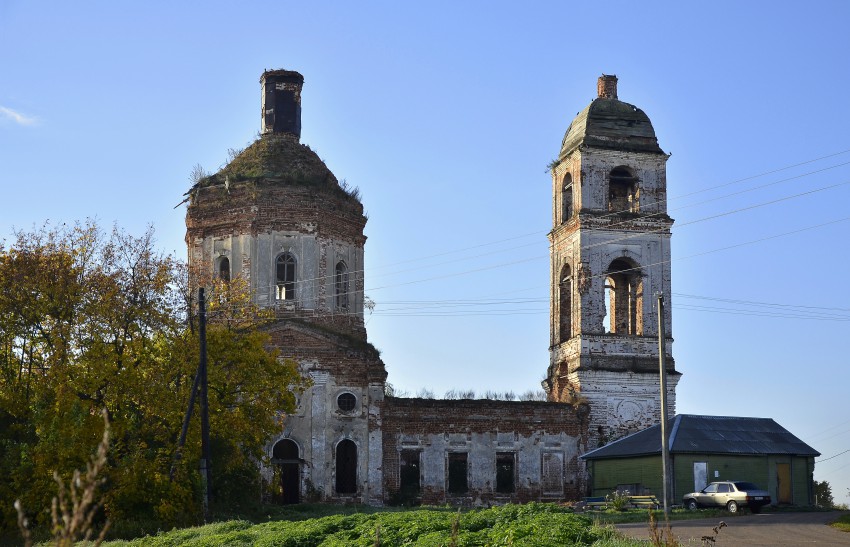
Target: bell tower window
x=567 y=198
x=623 y=191
x=624 y=298
x=341 y=286
x=565 y=289
x=285 y=277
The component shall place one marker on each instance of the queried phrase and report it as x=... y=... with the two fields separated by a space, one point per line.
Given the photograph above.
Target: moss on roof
x=277 y=158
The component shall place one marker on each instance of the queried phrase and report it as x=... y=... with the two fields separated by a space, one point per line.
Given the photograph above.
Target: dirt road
x=765 y=529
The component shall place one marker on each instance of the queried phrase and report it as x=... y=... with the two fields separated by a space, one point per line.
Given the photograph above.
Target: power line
x=615 y=213
x=832 y=457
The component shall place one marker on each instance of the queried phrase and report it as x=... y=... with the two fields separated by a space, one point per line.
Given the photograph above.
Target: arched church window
x=565 y=289
x=624 y=298
x=623 y=191
x=224 y=268
x=341 y=286
x=285 y=277
x=285 y=449
x=567 y=198
x=346 y=467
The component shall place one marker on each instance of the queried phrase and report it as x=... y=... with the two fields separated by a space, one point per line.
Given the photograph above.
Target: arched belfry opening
x=565 y=300
x=567 y=200
x=624 y=298
x=287 y=483
x=623 y=191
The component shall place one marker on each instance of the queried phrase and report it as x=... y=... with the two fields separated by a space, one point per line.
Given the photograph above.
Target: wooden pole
x=206 y=463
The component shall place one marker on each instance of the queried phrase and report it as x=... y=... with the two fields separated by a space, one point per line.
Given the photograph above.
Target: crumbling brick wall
x=545 y=439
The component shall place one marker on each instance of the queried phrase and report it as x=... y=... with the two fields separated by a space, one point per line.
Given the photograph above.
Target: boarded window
x=458 y=471
x=552 y=474
x=505 y=472
x=346 y=467
x=409 y=484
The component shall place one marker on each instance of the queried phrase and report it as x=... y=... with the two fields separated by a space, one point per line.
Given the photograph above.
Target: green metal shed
x=705 y=449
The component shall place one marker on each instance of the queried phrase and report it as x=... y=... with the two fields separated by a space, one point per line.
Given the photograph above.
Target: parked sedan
x=729 y=494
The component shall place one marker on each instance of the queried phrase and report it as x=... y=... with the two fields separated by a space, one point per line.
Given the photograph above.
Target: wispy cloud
x=17 y=117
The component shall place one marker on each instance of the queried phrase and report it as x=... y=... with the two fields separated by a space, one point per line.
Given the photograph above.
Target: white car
x=729 y=494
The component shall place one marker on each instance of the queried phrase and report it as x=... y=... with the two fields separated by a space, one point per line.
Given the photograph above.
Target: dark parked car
x=729 y=494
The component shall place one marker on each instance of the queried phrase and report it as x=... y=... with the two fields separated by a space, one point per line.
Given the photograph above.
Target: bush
x=618 y=499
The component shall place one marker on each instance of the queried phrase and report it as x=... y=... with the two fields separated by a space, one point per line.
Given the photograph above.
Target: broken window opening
x=346 y=402
x=623 y=299
x=458 y=473
x=623 y=191
x=409 y=476
x=505 y=472
x=567 y=198
x=224 y=269
x=341 y=286
x=565 y=289
x=285 y=277
x=346 y=467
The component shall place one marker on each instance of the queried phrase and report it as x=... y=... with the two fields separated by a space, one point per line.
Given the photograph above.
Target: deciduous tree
x=92 y=320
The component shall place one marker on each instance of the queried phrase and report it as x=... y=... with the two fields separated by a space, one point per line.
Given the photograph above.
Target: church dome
x=610 y=123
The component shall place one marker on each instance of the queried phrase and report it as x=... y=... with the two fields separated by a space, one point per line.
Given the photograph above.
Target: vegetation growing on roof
x=276 y=159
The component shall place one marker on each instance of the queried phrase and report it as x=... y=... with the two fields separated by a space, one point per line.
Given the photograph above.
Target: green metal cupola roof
x=610 y=123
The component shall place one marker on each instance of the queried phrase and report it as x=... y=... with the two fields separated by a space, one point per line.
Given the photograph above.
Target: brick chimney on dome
x=606 y=86
x=281 y=102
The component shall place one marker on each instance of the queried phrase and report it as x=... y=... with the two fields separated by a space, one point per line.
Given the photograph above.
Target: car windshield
x=743 y=486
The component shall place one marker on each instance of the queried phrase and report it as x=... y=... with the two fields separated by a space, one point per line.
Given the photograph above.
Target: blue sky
x=445 y=114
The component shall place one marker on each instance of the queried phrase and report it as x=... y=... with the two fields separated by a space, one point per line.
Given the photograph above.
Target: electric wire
x=607 y=215
x=626 y=237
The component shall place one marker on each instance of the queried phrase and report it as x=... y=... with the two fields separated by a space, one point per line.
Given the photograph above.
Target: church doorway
x=287 y=472
x=346 y=467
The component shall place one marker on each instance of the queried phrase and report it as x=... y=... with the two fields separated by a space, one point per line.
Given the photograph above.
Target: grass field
x=537 y=524
x=308 y=525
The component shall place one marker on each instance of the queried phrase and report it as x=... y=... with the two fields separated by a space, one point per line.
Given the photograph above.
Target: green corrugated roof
x=709 y=435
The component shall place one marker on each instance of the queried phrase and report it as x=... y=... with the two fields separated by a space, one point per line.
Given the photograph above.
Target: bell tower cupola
x=610 y=257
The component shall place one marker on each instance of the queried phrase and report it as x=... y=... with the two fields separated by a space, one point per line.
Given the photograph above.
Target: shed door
x=700 y=475
x=783 y=483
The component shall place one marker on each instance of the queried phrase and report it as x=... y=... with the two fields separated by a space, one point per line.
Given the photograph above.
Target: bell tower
x=610 y=257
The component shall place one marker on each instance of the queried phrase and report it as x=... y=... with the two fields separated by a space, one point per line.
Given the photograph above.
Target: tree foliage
x=92 y=320
x=823 y=494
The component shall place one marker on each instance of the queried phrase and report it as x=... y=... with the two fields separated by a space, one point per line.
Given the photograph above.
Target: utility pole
x=205 y=463
x=665 y=445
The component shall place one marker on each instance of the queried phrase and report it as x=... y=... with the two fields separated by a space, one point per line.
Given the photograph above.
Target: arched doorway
x=346 y=467
x=288 y=475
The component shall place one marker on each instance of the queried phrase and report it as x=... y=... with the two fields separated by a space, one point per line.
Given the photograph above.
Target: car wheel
x=756 y=509
x=691 y=505
x=732 y=506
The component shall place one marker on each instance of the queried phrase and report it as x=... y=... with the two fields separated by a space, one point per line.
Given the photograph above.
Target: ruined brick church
x=278 y=217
